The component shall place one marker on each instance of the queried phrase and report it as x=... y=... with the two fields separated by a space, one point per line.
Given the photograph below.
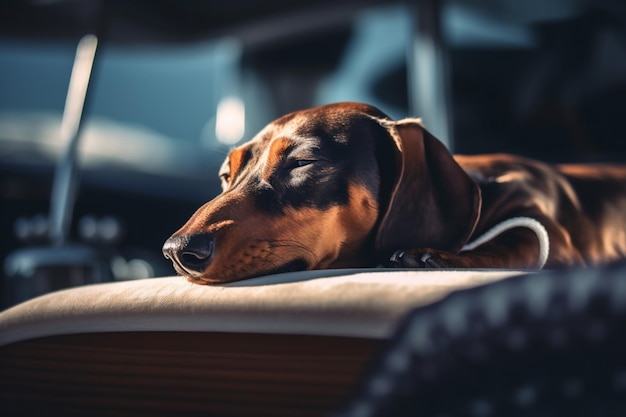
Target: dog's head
x=339 y=185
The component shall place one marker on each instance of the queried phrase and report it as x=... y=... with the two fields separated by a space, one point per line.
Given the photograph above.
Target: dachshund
x=342 y=185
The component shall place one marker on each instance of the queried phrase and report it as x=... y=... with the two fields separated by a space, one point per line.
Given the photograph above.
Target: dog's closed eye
x=299 y=163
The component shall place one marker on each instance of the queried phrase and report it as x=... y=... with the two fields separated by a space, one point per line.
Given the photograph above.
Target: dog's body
x=582 y=207
x=342 y=185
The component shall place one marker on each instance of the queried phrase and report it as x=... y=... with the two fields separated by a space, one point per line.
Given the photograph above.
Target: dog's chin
x=291 y=266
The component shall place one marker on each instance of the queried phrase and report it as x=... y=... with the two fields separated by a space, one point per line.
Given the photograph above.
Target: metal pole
x=66 y=178
x=428 y=71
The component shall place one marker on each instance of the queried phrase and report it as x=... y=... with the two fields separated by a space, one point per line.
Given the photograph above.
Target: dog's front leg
x=514 y=249
x=432 y=258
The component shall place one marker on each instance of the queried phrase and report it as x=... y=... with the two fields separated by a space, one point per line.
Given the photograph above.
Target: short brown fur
x=393 y=187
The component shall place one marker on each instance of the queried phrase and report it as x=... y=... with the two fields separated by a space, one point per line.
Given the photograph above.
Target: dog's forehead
x=296 y=129
x=293 y=126
x=330 y=122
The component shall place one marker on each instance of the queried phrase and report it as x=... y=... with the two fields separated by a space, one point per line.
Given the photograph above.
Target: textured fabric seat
x=550 y=344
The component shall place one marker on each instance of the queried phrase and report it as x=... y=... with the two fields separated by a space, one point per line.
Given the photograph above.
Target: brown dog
x=342 y=185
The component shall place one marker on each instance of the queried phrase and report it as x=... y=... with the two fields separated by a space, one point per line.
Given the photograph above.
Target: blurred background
x=176 y=84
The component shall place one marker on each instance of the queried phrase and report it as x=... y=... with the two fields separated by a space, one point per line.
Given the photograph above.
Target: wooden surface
x=180 y=374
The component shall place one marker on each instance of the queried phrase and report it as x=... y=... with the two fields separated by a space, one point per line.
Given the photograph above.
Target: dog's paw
x=418 y=258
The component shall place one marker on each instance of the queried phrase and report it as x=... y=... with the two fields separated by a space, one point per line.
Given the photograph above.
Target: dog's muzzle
x=190 y=254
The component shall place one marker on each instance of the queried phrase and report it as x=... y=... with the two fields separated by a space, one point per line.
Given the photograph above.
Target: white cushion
x=358 y=303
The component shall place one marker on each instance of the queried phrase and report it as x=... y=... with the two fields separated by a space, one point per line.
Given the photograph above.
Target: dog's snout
x=191 y=253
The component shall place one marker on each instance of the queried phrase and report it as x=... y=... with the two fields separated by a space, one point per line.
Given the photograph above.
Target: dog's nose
x=192 y=253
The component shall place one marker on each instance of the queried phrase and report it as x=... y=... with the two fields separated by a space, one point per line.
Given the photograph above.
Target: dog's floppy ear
x=433 y=203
